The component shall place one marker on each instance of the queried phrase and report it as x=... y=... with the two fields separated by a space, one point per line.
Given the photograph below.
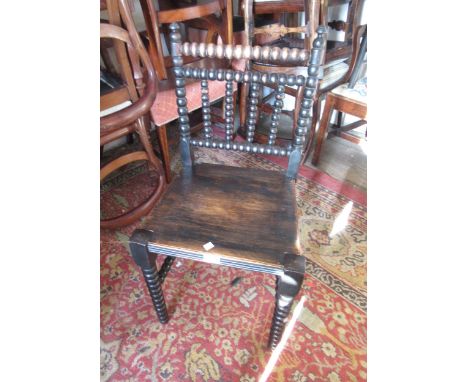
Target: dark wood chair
x=133 y=118
x=164 y=109
x=239 y=217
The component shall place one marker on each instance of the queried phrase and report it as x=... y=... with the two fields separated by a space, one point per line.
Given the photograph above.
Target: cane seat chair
x=133 y=117
x=248 y=215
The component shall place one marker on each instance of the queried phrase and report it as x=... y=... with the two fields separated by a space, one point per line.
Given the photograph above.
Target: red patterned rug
x=218 y=329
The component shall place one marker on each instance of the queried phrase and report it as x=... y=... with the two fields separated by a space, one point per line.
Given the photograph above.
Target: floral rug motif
x=218 y=329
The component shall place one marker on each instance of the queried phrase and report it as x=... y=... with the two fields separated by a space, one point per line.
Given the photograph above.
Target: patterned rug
x=220 y=317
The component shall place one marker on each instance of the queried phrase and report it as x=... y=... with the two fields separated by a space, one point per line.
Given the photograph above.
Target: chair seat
x=249 y=215
x=358 y=93
x=164 y=109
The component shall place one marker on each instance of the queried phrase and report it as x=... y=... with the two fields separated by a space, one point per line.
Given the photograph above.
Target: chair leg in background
x=164 y=145
x=287 y=287
x=339 y=121
x=310 y=141
x=322 y=131
x=143 y=132
x=147 y=262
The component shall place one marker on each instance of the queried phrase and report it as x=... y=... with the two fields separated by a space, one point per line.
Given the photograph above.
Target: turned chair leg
x=288 y=286
x=147 y=262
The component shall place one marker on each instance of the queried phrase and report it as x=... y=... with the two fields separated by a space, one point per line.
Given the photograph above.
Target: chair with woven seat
x=238 y=217
x=131 y=117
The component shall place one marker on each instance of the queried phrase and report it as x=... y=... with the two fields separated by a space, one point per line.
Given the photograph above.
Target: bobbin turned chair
x=248 y=215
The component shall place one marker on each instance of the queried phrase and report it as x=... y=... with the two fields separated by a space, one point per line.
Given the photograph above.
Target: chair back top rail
x=188 y=13
x=308 y=86
x=262 y=53
x=155 y=20
x=311 y=9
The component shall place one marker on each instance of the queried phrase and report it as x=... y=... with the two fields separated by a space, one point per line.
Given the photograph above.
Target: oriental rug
x=218 y=329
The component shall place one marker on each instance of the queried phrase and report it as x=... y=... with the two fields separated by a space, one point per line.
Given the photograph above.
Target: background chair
x=271 y=35
x=286 y=36
x=326 y=88
x=239 y=217
x=133 y=117
x=164 y=109
x=350 y=98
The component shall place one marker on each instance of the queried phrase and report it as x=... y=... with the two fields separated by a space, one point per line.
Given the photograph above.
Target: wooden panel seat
x=248 y=215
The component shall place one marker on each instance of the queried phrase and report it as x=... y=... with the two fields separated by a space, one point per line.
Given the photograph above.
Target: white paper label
x=208 y=246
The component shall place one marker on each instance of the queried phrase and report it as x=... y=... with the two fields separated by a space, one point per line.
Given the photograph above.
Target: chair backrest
x=357 y=72
x=145 y=86
x=205 y=14
x=311 y=9
x=347 y=26
x=314 y=58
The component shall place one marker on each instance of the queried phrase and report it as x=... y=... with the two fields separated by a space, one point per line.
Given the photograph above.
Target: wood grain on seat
x=248 y=214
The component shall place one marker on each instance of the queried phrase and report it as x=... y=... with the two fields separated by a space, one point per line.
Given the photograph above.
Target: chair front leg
x=288 y=286
x=147 y=262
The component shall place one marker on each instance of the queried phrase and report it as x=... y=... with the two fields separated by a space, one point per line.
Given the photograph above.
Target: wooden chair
x=247 y=216
x=334 y=70
x=315 y=11
x=337 y=50
x=350 y=98
x=164 y=109
x=359 y=34
x=124 y=70
x=133 y=118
